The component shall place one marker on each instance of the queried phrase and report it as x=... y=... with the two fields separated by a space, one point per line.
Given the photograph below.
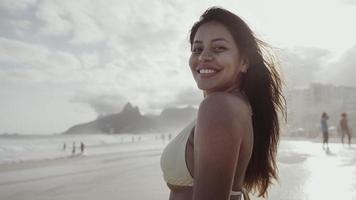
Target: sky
x=65 y=62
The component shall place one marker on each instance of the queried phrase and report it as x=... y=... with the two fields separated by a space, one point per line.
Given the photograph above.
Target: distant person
x=64 y=146
x=82 y=146
x=324 y=130
x=344 y=128
x=73 y=149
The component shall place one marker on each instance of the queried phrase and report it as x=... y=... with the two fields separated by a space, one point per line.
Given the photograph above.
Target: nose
x=205 y=55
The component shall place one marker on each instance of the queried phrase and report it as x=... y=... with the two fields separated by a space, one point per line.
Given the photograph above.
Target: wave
x=22 y=148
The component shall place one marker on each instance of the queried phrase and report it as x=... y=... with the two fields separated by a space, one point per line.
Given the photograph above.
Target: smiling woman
x=215 y=61
x=230 y=149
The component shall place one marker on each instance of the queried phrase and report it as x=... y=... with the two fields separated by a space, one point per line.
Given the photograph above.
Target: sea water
x=21 y=148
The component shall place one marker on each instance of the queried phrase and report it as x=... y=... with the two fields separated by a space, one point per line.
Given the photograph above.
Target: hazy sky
x=64 y=62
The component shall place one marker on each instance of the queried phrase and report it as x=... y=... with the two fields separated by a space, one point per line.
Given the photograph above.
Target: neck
x=232 y=90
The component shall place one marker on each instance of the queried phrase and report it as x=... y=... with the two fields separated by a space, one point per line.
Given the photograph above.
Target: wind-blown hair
x=263 y=87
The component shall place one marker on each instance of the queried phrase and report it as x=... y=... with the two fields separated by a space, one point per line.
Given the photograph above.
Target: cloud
x=188 y=96
x=21 y=52
x=102 y=104
x=300 y=66
x=108 y=102
x=70 y=19
x=34 y=56
x=342 y=70
x=117 y=50
x=14 y=7
x=89 y=60
x=55 y=19
x=105 y=53
x=350 y=2
x=31 y=62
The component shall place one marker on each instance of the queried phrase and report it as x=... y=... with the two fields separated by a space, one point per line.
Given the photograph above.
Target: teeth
x=206 y=71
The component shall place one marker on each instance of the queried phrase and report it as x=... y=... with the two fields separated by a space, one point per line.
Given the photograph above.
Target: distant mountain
x=172 y=119
x=130 y=120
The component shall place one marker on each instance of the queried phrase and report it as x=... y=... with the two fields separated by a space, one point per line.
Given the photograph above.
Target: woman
x=230 y=149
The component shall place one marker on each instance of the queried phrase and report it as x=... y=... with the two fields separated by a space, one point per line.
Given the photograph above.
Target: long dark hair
x=263 y=88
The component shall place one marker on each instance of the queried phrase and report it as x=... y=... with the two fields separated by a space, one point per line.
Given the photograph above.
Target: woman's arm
x=221 y=124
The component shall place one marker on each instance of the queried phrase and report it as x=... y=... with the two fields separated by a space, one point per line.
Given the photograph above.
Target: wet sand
x=306 y=172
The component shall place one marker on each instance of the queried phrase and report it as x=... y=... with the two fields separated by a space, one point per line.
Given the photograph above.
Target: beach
x=306 y=171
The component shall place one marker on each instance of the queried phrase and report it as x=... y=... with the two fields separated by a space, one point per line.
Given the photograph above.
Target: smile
x=206 y=71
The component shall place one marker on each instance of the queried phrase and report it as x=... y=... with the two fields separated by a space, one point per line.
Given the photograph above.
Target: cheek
x=192 y=62
x=228 y=63
x=232 y=68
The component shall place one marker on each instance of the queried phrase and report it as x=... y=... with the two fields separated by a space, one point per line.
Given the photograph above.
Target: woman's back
x=241 y=107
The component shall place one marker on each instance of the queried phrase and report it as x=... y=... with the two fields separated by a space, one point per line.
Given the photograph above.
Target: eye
x=197 y=50
x=219 y=49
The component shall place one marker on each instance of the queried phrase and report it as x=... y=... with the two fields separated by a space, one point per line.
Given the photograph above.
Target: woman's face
x=215 y=60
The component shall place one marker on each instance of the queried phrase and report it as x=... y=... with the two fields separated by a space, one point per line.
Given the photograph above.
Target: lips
x=205 y=69
x=205 y=73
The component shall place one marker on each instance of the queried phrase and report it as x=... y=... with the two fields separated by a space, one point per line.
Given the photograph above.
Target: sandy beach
x=306 y=172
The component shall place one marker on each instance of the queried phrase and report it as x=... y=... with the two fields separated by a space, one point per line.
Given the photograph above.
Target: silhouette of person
x=82 y=146
x=344 y=128
x=73 y=150
x=324 y=130
x=64 y=146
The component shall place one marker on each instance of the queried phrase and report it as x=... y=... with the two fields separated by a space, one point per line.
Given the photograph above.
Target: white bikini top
x=173 y=160
x=173 y=163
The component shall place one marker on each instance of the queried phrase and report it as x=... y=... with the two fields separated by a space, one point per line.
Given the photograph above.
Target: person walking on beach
x=82 y=146
x=230 y=149
x=344 y=128
x=73 y=149
x=325 y=130
x=64 y=146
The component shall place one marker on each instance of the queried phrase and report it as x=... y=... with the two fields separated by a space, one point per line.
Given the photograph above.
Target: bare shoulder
x=225 y=105
x=222 y=126
x=222 y=112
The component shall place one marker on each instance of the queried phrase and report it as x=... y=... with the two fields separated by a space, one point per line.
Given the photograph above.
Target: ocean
x=20 y=148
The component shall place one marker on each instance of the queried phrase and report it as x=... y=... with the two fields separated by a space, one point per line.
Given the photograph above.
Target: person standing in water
x=73 y=149
x=325 y=130
x=82 y=146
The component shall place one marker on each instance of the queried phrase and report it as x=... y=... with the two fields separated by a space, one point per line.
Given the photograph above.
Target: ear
x=244 y=65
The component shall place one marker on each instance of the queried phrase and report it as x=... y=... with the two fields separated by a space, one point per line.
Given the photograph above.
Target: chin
x=204 y=87
x=212 y=88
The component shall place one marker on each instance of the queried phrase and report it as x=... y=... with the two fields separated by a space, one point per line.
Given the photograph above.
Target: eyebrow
x=213 y=40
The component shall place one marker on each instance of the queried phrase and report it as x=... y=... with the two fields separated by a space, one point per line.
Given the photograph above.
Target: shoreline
x=305 y=171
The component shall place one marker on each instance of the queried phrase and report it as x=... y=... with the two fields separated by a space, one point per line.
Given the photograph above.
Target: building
x=305 y=106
